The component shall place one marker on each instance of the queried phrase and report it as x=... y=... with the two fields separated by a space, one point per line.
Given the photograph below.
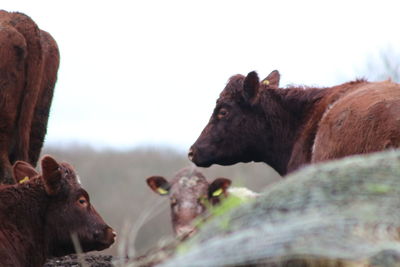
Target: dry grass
x=116 y=183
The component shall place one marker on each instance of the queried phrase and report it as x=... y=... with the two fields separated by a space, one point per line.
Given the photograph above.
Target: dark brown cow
x=29 y=60
x=39 y=215
x=189 y=193
x=287 y=128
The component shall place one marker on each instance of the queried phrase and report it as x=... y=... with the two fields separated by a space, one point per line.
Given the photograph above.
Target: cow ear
x=51 y=175
x=159 y=185
x=218 y=187
x=23 y=171
x=272 y=80
x=250 y=86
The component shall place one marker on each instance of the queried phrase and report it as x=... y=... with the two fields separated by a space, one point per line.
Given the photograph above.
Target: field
x=116 y=184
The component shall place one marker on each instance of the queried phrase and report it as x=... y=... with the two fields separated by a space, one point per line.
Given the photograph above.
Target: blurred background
x=138 y=81
x=116 y=184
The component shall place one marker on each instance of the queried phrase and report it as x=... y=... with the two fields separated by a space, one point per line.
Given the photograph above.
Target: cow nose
x=185 y=231
x=97 y=234
x=191 y=154
x=109 y=236
x=112 y=234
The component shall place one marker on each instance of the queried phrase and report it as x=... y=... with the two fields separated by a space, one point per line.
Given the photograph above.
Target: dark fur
x=37 y=217
x=28 y=72
x=287 y=128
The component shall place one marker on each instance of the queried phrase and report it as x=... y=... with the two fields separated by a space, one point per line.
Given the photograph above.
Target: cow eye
x=222 y=113
x=83 y=202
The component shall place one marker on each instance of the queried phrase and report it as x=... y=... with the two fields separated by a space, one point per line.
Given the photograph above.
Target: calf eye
x=222 y=113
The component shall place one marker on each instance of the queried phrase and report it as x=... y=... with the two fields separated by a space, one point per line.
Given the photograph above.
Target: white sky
x=137 y=73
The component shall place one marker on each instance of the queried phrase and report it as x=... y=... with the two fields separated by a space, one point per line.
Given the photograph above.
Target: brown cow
x=190 y=194
x=39 y=215
x=287 y=128
x=29 y=60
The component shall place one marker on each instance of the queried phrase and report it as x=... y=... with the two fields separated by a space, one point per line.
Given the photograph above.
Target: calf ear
x=250 y=86
x=23 y=171
x=272 y=80
x=159 y=185
x=51 y=175
x=218 y=187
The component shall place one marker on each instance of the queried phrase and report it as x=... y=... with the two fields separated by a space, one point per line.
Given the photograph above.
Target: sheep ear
x=51 y=174
x=159 y=185
x=218 y=187
x=272 y=80
x=250 y=86
x=23 y=171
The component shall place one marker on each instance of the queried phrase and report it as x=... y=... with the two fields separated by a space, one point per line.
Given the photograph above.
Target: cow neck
x=22 y=212
x=26 y=201
x=286 y=111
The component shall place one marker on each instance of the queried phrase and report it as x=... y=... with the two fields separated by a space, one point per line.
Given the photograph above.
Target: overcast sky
x=138 y=73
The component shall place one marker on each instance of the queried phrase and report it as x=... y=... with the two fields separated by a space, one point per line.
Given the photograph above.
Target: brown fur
x=28 y=71
x=189 y=193
x=288 y=128
x=37 y=217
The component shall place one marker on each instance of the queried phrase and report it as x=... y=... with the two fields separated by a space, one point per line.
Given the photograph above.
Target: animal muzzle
x=104 y=238
x=185 y=231
x=191 y=154
x=195 y=155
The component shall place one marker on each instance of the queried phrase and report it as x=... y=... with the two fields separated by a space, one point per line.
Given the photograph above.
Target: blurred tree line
x=116 y=184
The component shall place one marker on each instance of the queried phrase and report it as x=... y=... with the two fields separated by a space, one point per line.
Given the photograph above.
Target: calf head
x=229 y=136
x=190 y=194
x=69 y=211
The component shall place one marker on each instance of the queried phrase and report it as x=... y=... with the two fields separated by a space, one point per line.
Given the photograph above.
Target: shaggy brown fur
x=29 y=60
x=287 y=128
x=38 y=215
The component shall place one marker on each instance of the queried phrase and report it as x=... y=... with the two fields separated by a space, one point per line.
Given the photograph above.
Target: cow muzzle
x=185 y=231
x=191 y=154
x=196 y=156
x=105 y=238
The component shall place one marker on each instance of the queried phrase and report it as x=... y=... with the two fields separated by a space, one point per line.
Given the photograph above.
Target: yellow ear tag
x=265 y=82
x=26 y=179
x=216 y=193
x=162 y=191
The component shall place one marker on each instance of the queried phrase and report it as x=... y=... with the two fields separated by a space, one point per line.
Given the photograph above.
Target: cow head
x=190 y=194
x=229 y=136
x=69 y=211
